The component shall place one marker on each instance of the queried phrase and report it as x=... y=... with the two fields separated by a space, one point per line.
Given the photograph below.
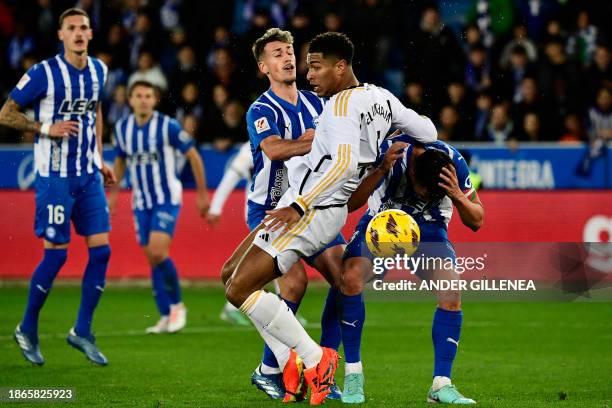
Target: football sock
x=439 y=382
x=331 y=334
x=173 y=287
x=40 y=285
x=268 y=358
x=271 y=315
x=353 y=368
x=267 y=370
x=445 y=336
x=92 y=287
x=160 y=294
x=352 y=316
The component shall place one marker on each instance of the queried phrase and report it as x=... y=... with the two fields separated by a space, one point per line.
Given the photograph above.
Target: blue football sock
x=173 y=287
x=352 y=317
x=445 y=335
x=268 y=356
x=40 y=285
x=331 y=334
x=160 y=294
x=92 y=287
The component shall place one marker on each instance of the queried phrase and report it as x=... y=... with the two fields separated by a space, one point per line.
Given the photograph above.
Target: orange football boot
x=293 y=379
x=321 y=377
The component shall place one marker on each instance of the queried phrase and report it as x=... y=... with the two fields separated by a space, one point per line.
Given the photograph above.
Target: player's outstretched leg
x=26 y=333
x=275 y=321
x=94 y=281
x=445 y=333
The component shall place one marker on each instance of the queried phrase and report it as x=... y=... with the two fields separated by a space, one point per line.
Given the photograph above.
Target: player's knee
x=449 y=300
x=55 y=258
x=156 y=255
x=294 y=286
x=352 y=280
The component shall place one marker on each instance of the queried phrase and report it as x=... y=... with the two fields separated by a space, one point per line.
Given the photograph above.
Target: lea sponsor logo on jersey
x=261 y=125
x=77 y=106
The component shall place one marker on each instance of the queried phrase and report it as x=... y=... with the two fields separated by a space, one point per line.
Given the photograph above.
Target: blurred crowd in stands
x=483 y=70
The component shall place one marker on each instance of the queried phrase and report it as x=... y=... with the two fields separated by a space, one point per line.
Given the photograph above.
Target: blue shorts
x=79 y=199
x=434 y=241
x=160 y=218
x=255 y=215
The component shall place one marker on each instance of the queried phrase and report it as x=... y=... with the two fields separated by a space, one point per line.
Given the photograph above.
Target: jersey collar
x=72 y=67
x=285 y=104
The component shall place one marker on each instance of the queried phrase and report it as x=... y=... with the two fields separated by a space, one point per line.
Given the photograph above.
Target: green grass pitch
x=511 y=354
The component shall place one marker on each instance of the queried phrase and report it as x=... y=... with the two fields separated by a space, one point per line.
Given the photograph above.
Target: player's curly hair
x=273 y=34
x=333 y=44
x=427 y=169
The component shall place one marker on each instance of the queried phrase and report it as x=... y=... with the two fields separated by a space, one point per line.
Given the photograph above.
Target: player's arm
x=468 y=203
x=11 y=116
x=239 y=168
x=420 y=127
x=119 y=168
x=372 y=180
x=107 y=172
x=199 y=175
x=277 y=148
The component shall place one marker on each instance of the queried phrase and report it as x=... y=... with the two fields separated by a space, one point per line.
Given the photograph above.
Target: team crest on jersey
x=50 y=232
x=184 y=136
x=261 y=125
x=23 y=81
x=77 y=106
x=315 y=121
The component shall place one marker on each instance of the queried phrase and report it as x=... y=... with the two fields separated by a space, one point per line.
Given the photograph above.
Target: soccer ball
x=392 y=232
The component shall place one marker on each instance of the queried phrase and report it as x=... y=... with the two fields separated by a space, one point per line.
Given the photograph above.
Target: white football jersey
x=347 y=142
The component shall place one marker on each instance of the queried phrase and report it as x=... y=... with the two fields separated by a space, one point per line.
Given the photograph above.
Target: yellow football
x=392 y=232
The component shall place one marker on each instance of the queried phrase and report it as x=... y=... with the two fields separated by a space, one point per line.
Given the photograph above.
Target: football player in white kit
x=312 y=212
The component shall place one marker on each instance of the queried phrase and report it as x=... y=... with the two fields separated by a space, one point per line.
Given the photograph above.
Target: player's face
x=278 y=62
x=142 y=100
x=75 y=33
x=322 y=74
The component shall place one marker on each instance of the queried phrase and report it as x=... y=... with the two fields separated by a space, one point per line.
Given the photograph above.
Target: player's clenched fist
x=395 y=152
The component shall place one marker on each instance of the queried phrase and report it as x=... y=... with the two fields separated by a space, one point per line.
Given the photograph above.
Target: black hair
x=333 y=44
x=427 y=169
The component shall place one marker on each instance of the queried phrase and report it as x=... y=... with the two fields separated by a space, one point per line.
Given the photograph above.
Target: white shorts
x=317 y=228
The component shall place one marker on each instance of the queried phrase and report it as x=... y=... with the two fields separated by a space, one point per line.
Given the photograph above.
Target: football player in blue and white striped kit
x=65 y=93
x=149 y=143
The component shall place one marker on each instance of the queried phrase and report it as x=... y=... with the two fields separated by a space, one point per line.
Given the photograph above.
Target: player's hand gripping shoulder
x=395 y=152
x=278 y=218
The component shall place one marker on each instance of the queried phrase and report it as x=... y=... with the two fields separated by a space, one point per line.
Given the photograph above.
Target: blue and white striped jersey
x=58 y=91
x=396 y=191
x=151 y=153
x=271 y=115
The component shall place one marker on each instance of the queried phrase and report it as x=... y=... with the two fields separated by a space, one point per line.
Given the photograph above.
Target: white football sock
x=229 y=307
x=272 y=315
x=267 y=370
x=439 y=382
x=353 y=368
